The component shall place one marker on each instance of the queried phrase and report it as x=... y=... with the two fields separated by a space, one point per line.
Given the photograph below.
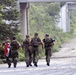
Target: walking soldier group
x=31 y=49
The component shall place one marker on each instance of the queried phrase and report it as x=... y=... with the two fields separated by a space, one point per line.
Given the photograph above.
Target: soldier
x=36 y=41
x=7 y=51
x=28 y=50
x=14 y=50
x=48 y=43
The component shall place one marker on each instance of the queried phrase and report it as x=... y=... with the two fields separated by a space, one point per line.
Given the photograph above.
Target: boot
x=27 y=65
x=9 y=65
x=48 y=64
x=35 y=64
x=14 y=62
x=15 y=65
x=30 y=64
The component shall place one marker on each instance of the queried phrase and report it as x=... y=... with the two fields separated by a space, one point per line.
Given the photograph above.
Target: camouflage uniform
x=14 y=51
x=8 y=60
x=28 y=52
x=35 y=50
x=48 y=49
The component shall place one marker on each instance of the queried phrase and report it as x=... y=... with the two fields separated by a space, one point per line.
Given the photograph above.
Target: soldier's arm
x=23 y=45
x=42 y=45
x=52 y=41
x=19 y=44
x=40 y=42
x=43 y=42
x=31 y=41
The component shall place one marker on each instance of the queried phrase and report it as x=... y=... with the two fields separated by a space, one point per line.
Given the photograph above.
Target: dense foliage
x=73 y=20
x=43 y=19
x=9 y=16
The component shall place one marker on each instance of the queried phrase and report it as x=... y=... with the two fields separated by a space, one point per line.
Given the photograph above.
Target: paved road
x=61 y=66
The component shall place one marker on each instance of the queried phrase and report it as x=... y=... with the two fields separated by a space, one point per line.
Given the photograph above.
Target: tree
x=43 y=18
x=10 y=19
x=0 y=14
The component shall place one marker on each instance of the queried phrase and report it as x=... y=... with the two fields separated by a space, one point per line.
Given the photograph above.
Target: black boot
x=35 y=64
x=30 y=64
x=48 y=64
x=9 y=65
x=9 y=62
x=15 y=65
x=14 y=62
x=27 y=65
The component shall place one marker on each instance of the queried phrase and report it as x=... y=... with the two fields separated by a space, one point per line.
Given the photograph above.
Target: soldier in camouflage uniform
x=36 y=41
x=48 y=43
x=6 y=45
x=28 y=51
x=14 y=51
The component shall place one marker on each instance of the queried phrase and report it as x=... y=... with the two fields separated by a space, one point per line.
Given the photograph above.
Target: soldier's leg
x=48 y=57
x=36 y=57
x=46 y=54
x=14 y=62
x=33 y=56
x=30 y=58
x=8 y=62
x=14 y=59
x=48 y=60
x=27 y=58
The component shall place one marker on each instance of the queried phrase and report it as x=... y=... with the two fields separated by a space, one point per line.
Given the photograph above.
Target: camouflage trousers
x=35 y=54
x=12 y=58
x=48 y=54
x=28 y=56
x=8 y=60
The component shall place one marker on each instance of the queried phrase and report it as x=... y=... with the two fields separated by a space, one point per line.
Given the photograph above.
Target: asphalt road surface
x=59 y=66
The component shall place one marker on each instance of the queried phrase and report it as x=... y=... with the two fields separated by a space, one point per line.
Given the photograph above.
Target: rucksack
x=47 y=42
x=14 y=45
x=35 y=42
